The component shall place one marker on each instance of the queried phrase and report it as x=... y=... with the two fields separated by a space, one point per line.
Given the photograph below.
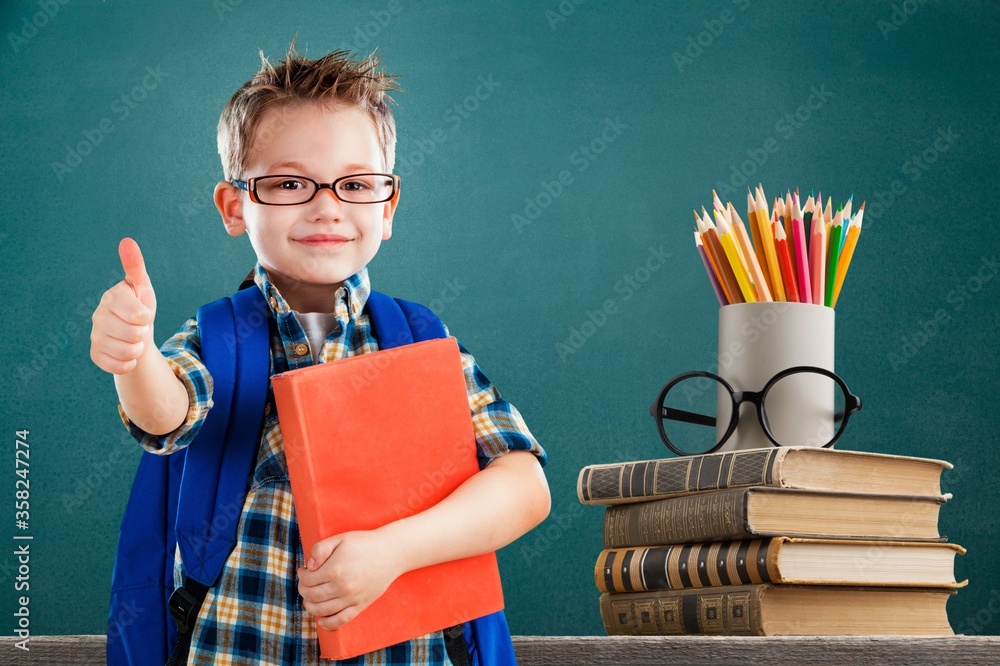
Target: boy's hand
x=346 y=573
x=123 y=321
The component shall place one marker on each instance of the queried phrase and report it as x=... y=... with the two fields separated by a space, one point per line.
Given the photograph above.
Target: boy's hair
x=334 y=79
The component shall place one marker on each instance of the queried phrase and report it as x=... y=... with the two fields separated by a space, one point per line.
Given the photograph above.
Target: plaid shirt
x=255 y=614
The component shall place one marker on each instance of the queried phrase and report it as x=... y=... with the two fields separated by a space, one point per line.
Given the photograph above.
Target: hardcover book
x=778 y=610
x=783 y=467
x=762 y=511
x=779 y=560
x=374 y=438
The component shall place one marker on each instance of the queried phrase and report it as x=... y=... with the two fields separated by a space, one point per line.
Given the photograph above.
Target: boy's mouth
x=324 y=240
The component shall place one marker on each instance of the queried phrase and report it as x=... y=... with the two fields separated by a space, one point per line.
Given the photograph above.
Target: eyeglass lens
x=361 y=188
x=800 y=407
x=693 y=408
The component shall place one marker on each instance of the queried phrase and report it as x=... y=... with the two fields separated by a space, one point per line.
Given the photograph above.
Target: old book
x=743 y=513
x=779 y=560
x=784 y=467
x=374 y=438
x=779 y=610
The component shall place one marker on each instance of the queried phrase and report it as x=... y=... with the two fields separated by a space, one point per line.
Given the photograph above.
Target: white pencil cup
x=756 y=342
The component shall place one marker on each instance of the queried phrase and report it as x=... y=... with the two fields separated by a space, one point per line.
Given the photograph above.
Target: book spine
x=637 y=481
x=704 y=517
x=743 y=562
x=733 y=611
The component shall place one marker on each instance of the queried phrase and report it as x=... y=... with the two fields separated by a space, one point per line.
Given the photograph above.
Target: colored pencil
x=787 y=272
x=716 y=269
x=833 y=255
x=817 y=259
x=853 y=231
x=801 y=262
x=763 y=293
x=773 y=268
x=758 y=241
x=716 y=287
x=727 y=280
x=729 y=245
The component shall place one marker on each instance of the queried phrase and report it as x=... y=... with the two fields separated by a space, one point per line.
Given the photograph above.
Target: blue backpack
x=186 y=499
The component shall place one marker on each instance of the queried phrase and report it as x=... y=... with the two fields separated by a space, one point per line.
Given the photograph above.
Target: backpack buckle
x=184 y=608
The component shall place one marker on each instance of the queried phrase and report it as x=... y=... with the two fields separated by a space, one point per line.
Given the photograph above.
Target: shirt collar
x=349 y=298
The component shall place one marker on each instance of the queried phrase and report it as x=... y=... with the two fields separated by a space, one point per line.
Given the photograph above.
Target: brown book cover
x=743 y=513
x=377 y=437
x=783 y=467
x=777 y=610
x=778 y=560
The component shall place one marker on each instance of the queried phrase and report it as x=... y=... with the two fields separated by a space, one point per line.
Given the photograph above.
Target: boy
x=307 y=149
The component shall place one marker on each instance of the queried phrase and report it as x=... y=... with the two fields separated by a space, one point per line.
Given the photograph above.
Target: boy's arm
x=121 y=343
x=487 y=512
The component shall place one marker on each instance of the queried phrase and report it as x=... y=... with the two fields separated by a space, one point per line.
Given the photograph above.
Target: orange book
x=377 y=437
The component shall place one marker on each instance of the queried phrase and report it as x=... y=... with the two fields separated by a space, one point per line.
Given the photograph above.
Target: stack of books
x=773 y=542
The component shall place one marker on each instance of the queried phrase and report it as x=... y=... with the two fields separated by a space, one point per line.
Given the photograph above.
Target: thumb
x=135 y=271
x=321 y=552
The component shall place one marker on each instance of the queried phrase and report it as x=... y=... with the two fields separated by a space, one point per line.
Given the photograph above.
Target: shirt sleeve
x=499 y=426
x=183 y=354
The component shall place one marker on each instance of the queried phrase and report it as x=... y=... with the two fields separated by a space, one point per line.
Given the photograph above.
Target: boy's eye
x=290 y=184
x=356 y=185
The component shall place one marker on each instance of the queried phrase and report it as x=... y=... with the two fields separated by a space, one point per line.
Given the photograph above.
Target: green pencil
x=833 y=256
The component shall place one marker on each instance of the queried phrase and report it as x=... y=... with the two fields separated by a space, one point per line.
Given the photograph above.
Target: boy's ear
x=230 y=206
x=387 y=215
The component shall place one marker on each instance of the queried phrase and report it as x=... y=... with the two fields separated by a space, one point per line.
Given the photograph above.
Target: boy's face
x=310 y=249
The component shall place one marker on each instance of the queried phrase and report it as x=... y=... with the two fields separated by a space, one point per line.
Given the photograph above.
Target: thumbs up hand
x=123 y=321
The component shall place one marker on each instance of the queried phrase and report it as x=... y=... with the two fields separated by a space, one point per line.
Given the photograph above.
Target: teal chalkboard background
x=107 y=129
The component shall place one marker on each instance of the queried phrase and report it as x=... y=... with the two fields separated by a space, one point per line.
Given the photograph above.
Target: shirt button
x=274 y=303
x=301 y=349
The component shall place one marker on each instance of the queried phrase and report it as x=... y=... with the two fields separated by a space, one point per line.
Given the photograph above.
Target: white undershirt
x=317 y=326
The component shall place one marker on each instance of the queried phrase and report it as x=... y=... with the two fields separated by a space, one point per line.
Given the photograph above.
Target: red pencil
x=785 y=261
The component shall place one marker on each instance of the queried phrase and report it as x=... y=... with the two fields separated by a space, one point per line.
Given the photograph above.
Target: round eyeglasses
x=690 y=406
x=291 y=190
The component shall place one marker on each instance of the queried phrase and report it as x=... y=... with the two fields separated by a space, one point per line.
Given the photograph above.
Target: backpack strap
x=397 y=322
x=235 y=347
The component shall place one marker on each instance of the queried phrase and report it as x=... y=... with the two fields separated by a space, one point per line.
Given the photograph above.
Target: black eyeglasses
x=290 y=190
x=690 y=406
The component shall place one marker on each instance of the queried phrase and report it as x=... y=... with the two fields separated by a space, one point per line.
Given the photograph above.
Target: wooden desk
x=640 y=650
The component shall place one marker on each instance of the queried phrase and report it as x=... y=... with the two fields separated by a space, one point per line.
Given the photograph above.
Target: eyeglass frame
x=852 y=404
x=250 y=186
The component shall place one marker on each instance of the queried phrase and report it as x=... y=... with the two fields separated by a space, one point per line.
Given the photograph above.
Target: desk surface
x=638 y=650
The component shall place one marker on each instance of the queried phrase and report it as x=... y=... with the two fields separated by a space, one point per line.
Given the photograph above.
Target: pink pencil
x=817 y=257
x=799 y=241
x=801 y=263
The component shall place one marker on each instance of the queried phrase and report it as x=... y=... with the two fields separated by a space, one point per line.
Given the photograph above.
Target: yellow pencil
x=753 y=267
x=726 y=238
x=844 y=262
x=767 y=236
x=729 y=221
